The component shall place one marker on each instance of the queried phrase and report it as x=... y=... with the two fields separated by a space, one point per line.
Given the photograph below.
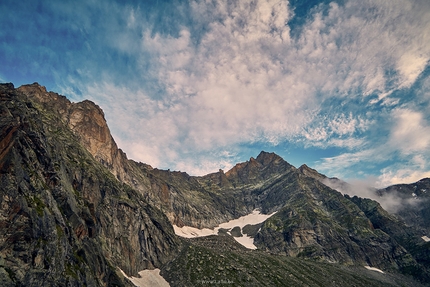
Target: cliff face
x=87 y=122
x=65 y=220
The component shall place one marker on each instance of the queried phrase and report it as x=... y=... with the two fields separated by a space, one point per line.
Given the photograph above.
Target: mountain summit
x=86 y=120
x=264 y=166
x=75 y=211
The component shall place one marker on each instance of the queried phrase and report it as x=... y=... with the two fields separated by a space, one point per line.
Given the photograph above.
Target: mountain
x=74 y=210
x=65 y=219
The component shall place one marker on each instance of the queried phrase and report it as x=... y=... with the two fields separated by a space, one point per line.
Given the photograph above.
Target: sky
x=197 y=86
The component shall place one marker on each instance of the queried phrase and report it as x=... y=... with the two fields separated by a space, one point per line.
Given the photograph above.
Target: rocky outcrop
x=88 y=123
x=265 y=166
x=310 y=172
x=65 y=219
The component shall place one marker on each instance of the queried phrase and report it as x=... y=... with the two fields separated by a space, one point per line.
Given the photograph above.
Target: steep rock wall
x=65 y=219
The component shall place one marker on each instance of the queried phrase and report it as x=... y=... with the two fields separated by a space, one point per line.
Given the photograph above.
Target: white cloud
x=343 y=125
x=407 y=143
x=337 y=166
x=336 y=131
x=237 y=76
x=410 y=133
x=396 y=175
x=410 y=66
x=365 y=188
x=349 y=143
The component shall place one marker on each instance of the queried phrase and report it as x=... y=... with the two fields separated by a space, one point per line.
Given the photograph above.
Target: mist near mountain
x=392 y=202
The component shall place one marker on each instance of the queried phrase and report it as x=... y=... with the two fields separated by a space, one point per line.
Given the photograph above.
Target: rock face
x=87 y=122
x=74 y=209
x=408 y=236
x=65 y=220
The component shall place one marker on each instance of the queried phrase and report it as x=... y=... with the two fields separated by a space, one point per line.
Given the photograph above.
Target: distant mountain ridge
x=66 y=184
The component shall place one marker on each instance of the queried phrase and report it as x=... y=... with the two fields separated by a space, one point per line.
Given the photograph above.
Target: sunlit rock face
x=87 y=121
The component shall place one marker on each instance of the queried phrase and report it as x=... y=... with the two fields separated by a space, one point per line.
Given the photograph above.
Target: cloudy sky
x=196 y=86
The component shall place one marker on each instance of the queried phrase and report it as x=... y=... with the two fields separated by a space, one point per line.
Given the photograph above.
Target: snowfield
x=253 y=218
x=425 y=238
x=148 y=278
x=374 y=269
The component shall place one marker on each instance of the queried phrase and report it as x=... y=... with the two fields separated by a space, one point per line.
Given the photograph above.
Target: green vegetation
x=35 y=202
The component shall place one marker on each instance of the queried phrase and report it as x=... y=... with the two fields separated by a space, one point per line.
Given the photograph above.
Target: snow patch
x=246 y=241
x=425 y=238
x=374 y=269
x=147 y=278
x=190 y=232
x=253 y=218
x=256 y=217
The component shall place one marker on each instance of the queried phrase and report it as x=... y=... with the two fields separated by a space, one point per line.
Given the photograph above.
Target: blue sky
x=196 y=86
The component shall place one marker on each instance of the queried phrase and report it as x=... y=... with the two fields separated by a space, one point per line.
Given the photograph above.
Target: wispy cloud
x=406 y=145
x=365 y=188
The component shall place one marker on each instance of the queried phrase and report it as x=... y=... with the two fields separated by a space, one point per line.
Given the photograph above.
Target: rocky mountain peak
x=40 y=94
x=86 y=120
x=310 y=172
x=7 y=86
x=263 y=160
x=264 y=166
x=267 y=158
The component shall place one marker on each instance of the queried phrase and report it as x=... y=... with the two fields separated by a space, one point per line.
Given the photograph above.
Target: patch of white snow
x=148 y=278
x=246 y=241
x=425 y=238
x=374 y=269
x=253 y=218
x=190 y=232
